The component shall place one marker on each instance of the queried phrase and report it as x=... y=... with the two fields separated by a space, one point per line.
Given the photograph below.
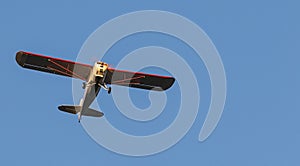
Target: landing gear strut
x=105 y=87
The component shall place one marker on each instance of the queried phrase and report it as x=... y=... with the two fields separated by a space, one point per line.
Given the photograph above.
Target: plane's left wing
x=53 y=65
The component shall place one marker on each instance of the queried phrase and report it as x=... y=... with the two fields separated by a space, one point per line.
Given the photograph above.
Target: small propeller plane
x=95 y=77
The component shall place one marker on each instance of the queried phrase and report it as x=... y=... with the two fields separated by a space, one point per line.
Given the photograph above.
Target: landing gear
x=83 y=85
x=109 y=90
x=105 y=87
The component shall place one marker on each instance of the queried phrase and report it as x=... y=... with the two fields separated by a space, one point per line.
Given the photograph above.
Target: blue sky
x=258 y=42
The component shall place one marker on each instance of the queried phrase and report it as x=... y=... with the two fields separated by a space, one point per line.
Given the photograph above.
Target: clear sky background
x=258 y=42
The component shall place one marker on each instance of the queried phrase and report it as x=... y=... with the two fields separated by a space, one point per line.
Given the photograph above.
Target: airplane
x=95 y=77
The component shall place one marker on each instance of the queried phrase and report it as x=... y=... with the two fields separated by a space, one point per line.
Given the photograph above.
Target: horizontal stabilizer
x=74 y=109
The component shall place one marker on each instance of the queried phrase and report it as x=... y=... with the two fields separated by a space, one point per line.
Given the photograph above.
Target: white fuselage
x=93 y=86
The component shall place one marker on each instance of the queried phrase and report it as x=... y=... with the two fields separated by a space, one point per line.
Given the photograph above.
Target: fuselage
x=93 y=86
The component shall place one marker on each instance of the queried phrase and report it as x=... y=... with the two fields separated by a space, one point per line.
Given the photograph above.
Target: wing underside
x=138 y=80
x=82 y=71
x=53 y=65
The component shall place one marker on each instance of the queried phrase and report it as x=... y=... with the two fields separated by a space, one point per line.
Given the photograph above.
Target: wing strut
x=127 y=79
x=62 y=67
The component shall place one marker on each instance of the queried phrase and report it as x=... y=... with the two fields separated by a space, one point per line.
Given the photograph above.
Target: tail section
x=70 y=108
x=74 y=109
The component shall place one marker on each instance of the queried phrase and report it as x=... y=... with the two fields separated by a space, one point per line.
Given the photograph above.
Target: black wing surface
x=138 y=80
x=53 y=65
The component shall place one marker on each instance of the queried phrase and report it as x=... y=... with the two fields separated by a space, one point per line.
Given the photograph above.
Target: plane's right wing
x=53 y=65
x=138 y=80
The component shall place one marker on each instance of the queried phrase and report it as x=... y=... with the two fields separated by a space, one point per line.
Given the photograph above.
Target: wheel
x=109 y=90
x=83 y=85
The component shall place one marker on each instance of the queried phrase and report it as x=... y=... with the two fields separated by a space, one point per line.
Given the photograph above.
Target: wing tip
x=166 y=85
x=171 y=81
x=19 y=58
